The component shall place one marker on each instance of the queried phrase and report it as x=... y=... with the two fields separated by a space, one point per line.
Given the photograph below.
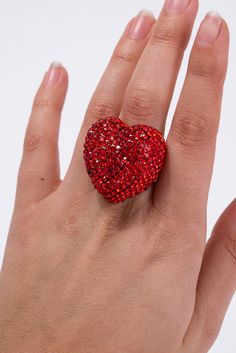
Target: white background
x=81 y=34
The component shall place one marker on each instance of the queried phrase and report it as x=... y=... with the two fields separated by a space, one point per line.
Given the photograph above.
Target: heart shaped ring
x=123 y=161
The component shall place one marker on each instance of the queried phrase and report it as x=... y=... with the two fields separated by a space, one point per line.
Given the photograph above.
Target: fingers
x=150 y=90
x=39 y=171
x=108 y=96
x=217 y=281
x=184 y=186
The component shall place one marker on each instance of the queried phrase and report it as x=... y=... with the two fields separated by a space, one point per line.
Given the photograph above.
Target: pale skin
x=84 y=275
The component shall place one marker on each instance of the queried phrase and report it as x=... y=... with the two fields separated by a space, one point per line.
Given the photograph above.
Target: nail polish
x=209 y=29
x=175 y=7
x=141 y=25
x=53 y=75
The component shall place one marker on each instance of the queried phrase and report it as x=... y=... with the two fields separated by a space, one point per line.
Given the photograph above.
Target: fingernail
x=176 y=6
x=209 y=30
x=141 y=25
x=53 y=74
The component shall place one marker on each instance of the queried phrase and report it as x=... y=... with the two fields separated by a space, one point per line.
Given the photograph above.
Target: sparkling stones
x=123 y=161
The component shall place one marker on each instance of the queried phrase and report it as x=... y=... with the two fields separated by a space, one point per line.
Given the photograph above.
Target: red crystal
x=123 y=161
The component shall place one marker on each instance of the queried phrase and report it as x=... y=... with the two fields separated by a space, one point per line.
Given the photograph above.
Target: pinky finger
x=39 y=170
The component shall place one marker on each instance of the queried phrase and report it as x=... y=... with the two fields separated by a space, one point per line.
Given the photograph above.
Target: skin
x=83 y=275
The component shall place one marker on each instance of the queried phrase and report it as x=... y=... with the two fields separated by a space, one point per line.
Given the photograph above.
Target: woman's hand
x=83 y=275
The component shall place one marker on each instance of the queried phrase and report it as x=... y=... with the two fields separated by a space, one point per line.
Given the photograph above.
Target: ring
x=123 y=161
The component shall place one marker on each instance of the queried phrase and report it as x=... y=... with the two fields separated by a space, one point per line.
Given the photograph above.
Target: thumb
x=217 y=281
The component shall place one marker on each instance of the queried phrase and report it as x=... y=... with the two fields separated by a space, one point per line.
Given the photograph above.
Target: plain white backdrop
x=82 y=34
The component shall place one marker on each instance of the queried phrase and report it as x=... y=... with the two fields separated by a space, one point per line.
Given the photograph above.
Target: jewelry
x=123 y=161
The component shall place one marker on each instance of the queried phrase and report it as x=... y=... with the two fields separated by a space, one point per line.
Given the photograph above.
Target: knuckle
x=206 y=67
x=154 y=245
x=125 y=55
x=36 y=142
x=99 y=110
x=141 y=103
x=44 y=103
x=165 y=34
x=71 y=217
x=229 y=243
x=162 y=243
x=69 y=224
x=190 y=129
x=154 y=242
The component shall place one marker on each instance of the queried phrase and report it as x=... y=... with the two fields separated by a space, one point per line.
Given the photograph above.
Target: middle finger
x=150 y=89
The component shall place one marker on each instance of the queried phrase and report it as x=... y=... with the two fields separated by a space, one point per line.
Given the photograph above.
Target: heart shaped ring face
x=123 y=161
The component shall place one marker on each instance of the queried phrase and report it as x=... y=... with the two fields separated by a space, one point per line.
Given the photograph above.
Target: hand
x=83 y=275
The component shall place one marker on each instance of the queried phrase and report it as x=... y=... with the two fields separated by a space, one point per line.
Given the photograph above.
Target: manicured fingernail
x=209 y=30
x=53 y=74
x=176 y=6
x=141 y=25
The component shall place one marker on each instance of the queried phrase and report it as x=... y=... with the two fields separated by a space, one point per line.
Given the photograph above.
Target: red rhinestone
x=123 y=160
